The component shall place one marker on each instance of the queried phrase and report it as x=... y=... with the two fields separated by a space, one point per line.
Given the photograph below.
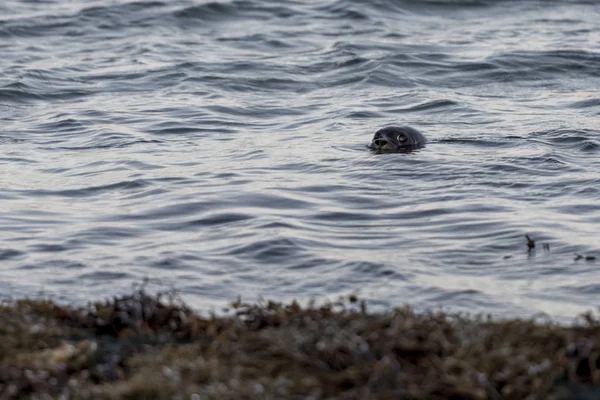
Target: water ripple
x=221 y=148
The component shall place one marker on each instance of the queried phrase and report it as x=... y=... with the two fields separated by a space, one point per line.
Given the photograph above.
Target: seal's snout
x=379 y=142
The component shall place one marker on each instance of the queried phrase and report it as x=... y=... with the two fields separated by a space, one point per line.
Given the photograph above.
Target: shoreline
x=154 y=346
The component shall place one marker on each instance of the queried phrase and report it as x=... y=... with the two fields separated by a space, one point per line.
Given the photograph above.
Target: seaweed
x=154 y=346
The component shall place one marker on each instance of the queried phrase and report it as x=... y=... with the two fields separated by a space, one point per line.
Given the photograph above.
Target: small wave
x=590 y=103
x=38 y=88
x=582 y=140
x=268 y=251
x=341 y=9
x=114 y=142
x=102 y=276
x=217 y=219
x=536 y=65
x=6 y=254
x=433 y=105
x=36 y=27
x=367 y=270
x=224 y=11
x=88 y=191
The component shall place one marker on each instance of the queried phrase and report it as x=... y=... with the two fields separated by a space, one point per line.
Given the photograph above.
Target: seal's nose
x=379 y=142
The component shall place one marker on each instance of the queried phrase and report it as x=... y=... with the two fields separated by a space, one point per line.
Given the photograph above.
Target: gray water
x=220 y=148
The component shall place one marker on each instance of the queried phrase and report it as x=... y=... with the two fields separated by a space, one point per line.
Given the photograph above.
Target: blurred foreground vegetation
x=146 y=346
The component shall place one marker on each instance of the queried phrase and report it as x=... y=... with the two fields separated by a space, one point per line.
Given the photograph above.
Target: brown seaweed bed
x=153 y=346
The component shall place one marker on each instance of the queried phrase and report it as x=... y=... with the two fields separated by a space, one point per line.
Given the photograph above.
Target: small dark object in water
x=547 y=246
x=530 y=242
x=395 y=139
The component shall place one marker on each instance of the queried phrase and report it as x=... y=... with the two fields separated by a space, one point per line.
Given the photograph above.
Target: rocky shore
x=146 y=346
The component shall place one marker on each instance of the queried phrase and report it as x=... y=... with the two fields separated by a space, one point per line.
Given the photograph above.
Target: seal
x=395 y=139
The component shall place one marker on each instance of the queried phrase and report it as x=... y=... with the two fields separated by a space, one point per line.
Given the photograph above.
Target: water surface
x=220 y=148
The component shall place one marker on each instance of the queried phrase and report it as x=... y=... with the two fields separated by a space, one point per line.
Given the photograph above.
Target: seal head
x=394 y=139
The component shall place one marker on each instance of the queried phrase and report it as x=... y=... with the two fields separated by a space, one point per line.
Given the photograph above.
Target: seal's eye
x=401 y=138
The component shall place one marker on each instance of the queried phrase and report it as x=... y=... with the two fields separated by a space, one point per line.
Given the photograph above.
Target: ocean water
x=220 y=148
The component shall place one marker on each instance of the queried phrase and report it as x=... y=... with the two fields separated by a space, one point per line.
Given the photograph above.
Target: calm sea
x=220 y=148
